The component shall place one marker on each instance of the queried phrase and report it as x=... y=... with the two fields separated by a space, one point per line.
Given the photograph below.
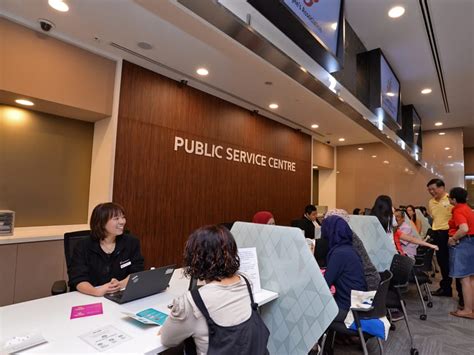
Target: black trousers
x=440 y=238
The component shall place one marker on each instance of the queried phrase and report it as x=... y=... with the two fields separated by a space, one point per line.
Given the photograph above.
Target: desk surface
x=50 y=316
x=41 y=234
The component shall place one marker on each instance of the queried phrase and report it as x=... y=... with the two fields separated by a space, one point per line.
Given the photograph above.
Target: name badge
x=125 y=263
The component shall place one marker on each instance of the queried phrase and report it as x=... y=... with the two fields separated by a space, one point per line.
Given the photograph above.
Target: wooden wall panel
x=168 y=194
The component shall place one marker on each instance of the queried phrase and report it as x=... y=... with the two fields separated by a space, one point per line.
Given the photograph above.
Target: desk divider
x=305 y=307
x=377 y=243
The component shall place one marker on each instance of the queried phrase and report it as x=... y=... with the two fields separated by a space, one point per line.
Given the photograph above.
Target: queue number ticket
x=249 y=267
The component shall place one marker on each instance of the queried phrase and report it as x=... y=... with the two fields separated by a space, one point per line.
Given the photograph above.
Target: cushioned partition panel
x=305 y=307
x=377 y=243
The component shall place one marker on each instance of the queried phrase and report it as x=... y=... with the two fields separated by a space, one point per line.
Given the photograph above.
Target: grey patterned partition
x=305 y=307
x=377 y=243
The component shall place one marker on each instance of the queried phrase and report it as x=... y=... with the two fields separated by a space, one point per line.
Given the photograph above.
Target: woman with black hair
x=383 y=210
x=461 y=251
x=412 y=215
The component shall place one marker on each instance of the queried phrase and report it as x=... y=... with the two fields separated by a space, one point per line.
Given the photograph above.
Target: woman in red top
x=461 y=251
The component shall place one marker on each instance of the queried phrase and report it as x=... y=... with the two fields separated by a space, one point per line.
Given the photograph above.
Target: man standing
x=440 y=209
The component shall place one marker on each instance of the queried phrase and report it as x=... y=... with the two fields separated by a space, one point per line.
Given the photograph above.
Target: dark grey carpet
x=440 y=334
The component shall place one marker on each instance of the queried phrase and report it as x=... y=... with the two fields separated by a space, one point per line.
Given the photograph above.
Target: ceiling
x=405 y=43
x=181 y=42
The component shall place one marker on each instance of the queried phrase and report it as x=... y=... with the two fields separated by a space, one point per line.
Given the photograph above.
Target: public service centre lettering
x=191 y=146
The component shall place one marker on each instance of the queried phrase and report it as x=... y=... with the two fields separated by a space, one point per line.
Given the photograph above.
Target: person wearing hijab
x=371 y=274
x=263 y=217
x=344 y=270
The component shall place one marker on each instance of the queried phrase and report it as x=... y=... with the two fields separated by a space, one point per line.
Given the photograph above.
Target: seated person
x=211 y=255
x=357 y=212
x=102 y=263
x=309 y=222
x=344 y=270
x=263 y=217
x=371 y=274
x=408 y=242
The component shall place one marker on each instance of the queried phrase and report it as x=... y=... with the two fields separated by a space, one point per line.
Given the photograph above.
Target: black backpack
x=247 y=338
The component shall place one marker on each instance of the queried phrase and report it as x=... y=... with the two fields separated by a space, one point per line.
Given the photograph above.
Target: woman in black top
x=102 y=263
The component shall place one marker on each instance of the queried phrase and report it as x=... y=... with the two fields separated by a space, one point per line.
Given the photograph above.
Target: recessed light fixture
x=144 y=45
x=59 y=5
x=314 y=126
x=273 y=106
x=303 y=69
x=315 y=166
x=386 y=162
x=437 y=124
x=360 y=148
x=442 y=133
x=391 y=94
x=334 y=26
x=447 y=148
x=24 y=102
x=426 y=91
x=374 y=156
x=416 y=134
x=396 y=11
x=341 y=139
x=450 y=156
x=202 y=71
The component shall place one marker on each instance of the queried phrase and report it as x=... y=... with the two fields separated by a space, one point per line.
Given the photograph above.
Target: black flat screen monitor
x=317 y=27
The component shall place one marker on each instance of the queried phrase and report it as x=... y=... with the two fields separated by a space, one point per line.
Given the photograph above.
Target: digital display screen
x=389 y=90
x=320 y=18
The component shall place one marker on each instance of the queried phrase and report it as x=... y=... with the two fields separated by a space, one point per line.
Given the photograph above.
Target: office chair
x=377 y=310
x=421 y=268
x=70 y=241
x=401 y=268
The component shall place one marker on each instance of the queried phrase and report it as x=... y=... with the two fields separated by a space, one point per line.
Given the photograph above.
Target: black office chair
x=423 y=265
x=401 y=268
x=377 y=310
x=70 y=241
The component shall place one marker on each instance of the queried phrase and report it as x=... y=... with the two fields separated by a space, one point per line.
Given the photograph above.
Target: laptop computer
x=142 y=284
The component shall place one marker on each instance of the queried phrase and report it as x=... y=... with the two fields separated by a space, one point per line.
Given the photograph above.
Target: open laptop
x=144 y=283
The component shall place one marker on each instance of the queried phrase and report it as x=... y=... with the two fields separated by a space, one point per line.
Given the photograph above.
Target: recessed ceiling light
x=450 y=156
x=391 y=94
x=315 y=166
x=334 y=26
x=314 y=126
x=426 y=91
x=273 y=106
x=303 y=69
x=24 y=102
x=416 y=134
x=437 y=124
x=447 y=148
x=396 y=11
x=374 y=156
x=386 y=162
x=442 y=133
x=59 y=5
x=202 y=71
x=360 y=148
x=341 y=139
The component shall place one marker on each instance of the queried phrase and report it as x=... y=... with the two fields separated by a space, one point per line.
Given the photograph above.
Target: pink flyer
x=86 y=310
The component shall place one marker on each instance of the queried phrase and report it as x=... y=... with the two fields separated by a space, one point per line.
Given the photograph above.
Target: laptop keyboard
x=116 y=295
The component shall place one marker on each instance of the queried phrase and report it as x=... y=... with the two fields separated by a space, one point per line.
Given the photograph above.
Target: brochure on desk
x=148 y=316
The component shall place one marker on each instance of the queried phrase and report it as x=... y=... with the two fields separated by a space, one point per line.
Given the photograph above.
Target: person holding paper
x=211 y=255
x=102 y=263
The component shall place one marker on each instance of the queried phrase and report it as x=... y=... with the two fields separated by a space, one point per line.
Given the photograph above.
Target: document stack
x=7 y=222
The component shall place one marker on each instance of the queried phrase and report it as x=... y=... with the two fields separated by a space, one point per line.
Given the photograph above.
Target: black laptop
x=142 y=284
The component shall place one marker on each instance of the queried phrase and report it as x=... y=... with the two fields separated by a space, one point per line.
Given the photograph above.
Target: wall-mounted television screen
x=317 y=27
x=411 y=128
x=379 y=88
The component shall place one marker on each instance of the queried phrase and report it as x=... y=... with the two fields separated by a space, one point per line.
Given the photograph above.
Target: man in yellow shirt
x=440 y=210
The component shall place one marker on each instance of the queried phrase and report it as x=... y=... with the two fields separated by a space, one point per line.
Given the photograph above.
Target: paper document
x=86 y=310
x=105 y=338
x=249 y=267
x=149 y=316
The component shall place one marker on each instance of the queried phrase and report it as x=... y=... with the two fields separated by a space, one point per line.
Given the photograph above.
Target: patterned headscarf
x=338 y=212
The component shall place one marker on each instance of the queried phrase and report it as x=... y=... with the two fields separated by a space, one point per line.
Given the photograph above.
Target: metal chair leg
x=423 y=305
x=380 y=345
x=362 y=340
x=405 y=316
